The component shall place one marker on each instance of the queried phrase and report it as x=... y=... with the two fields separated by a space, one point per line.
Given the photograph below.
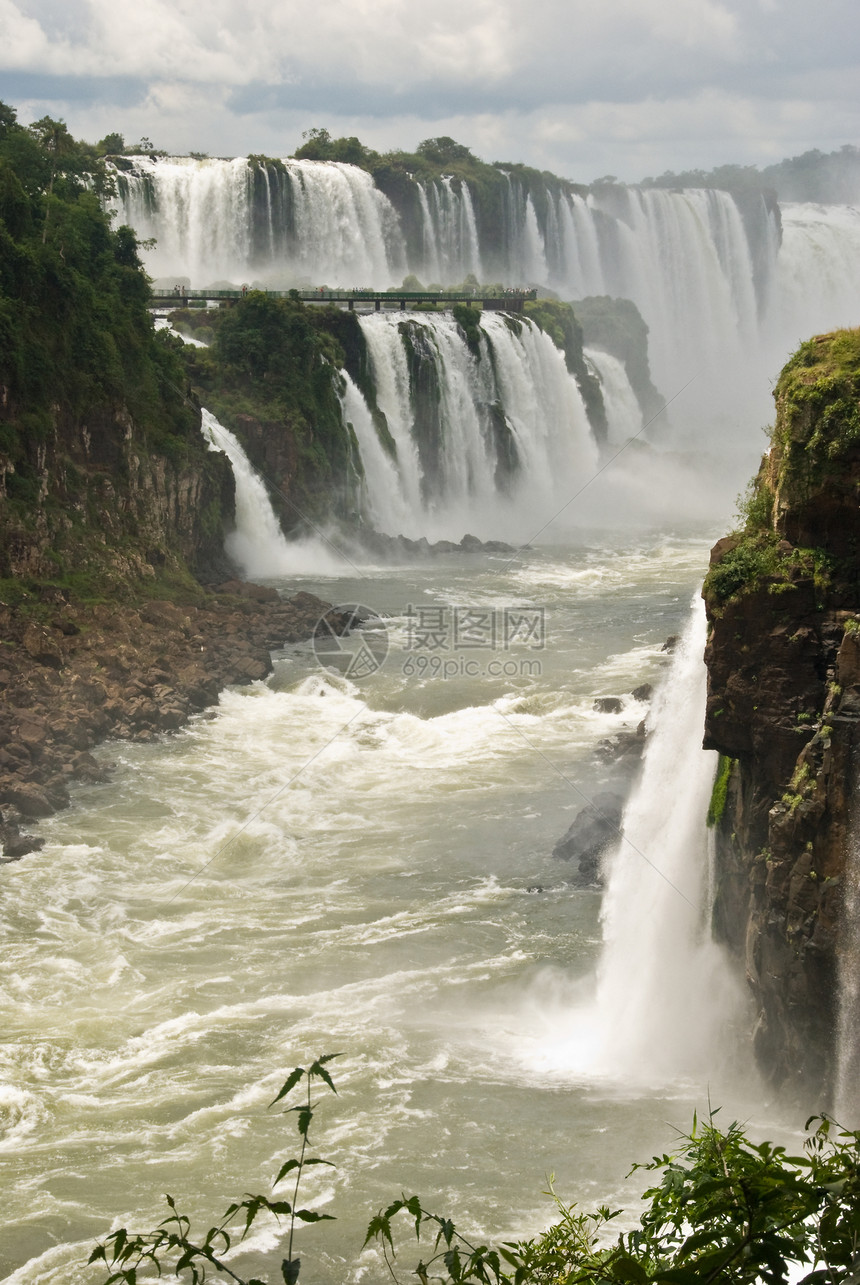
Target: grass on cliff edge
x=817 y=424
x=818 y=405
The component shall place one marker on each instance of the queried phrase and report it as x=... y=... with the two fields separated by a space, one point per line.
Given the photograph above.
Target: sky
x=584 y=88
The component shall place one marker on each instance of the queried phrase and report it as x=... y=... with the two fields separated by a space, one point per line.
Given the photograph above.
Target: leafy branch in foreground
x=170 y=1245
x=725 y=1212
x=722 y=1211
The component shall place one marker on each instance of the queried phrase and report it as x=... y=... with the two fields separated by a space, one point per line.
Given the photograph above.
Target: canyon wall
x=783 y=656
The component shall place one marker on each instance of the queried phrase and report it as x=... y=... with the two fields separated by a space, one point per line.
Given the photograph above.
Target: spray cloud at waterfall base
x=257 y=545
x=665 y=1005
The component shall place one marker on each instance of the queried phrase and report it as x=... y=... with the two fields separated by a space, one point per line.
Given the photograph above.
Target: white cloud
x=582 y=87
x=24 y=43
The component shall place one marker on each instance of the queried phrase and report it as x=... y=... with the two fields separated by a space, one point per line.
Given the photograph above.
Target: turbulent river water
x=363 y=866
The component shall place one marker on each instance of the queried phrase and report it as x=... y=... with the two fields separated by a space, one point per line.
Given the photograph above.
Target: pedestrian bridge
x=509 y=299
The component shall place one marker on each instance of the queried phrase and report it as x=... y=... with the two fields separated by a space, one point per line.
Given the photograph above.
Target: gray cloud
x=632 y=79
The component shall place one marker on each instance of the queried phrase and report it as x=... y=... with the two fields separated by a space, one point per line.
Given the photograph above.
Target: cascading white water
x=257 y=545
x=198 y=212
x=816 y=284
x=684 y=260
x=623 y=412
x=847 y=1088
x=717 y=293
x=664 y=988
x=449 y=233
x=510 y=437
x=665 y=993
x=312 y=221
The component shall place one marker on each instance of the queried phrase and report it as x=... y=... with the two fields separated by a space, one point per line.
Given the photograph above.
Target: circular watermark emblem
x=351 y=639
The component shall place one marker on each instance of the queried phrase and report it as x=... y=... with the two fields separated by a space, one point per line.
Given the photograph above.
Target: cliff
x=112 y=508
x=783 y=657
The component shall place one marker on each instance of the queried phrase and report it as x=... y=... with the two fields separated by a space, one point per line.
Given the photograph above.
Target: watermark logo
x=439 y=641
x=456 y=629
x=351 y=639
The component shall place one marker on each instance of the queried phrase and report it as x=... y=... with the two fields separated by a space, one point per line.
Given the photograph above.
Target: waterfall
x=664 y=995
x=449 y=232
x=292 y=222
x=847 y=1088
x=488 y=442
x=816 y=285
x=719 y=287
x=257 y=545
x=664 y=991
x=623 y=413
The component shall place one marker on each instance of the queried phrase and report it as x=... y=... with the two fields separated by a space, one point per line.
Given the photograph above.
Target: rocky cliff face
x=90 y=504
x=783 y=601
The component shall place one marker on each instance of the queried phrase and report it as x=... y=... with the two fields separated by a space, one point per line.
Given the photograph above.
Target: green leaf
x=279 y=1207
x=627 y=1269
x=318 y=1069
x=286 y=1168
x=290 y=1083
x=290 y=1269
x=413 y=1205
x=379 y=1227
x=310 y=1216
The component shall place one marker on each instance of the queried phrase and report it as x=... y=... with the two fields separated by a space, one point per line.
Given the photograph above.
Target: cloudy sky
x=581 y=87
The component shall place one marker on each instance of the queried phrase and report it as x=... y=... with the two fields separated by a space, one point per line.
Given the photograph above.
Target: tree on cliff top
x=76 y=336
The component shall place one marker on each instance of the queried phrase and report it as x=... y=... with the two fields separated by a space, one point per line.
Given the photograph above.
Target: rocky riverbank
x=73 y=676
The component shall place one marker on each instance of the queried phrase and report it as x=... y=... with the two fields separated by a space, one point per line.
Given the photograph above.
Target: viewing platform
x=505 y=300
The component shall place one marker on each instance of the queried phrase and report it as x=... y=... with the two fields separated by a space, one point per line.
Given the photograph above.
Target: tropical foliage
x=720 y=1209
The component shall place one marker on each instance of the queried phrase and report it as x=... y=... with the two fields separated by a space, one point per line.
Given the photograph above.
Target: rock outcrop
x=105 y=510
x=783 y=601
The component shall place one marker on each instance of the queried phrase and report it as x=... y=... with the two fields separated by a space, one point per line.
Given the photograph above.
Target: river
x=362 y=866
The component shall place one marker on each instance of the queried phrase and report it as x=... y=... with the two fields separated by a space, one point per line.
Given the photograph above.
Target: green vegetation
x=720 y=1210
x=797 y=514
x=832 y=177
x=469 y=321
x=277 y=362
x=719 y=794
x=92 y=399
x=170 y=1244
x=74 y=325
x=818 y=397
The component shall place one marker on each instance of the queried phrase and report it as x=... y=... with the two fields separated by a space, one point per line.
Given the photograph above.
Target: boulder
x=594 y=831
x=41 y=647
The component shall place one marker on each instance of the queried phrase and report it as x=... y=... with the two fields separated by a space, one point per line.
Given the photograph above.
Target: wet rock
x=593 y=833
x=625 y=744
x=608 y=705
x=245 y=589
x=643 y=692
x=670 y=644
x=66 y=626
x=16 y=845
x=27 y=800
